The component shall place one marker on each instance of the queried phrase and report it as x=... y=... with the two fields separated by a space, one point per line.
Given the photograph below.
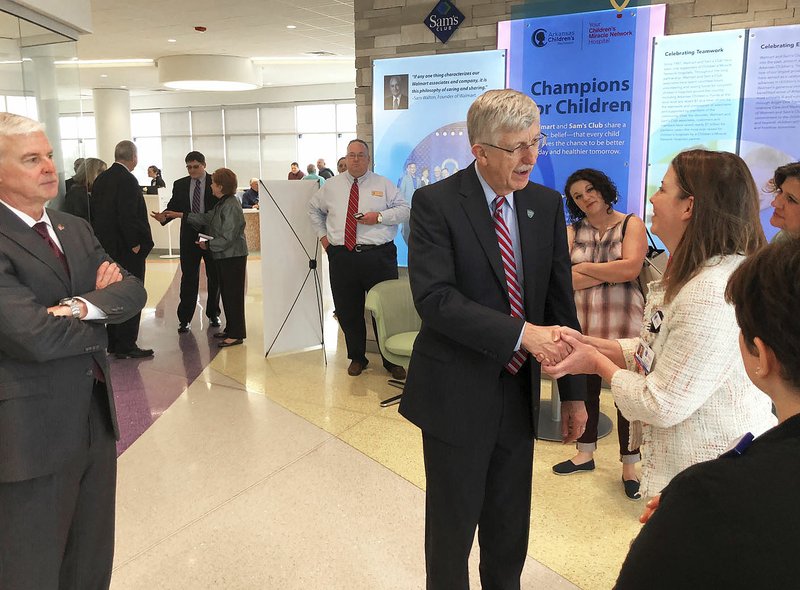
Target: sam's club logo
x=443 y=20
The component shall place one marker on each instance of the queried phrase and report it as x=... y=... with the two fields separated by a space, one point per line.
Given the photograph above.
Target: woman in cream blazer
x=682 y=384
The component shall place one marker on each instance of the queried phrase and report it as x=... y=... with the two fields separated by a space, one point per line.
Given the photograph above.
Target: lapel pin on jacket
x=60 y=227
x=530 y=213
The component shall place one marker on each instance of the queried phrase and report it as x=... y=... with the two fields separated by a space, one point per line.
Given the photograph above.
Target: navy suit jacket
x=181 y=201
x=458 y=282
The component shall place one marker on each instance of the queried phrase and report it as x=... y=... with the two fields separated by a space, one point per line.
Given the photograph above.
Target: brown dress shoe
x=398 y=373
x=355 y=368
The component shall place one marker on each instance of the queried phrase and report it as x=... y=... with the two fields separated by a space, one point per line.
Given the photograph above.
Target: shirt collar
x=361 y=178
x=30 y=221
x=491 y=195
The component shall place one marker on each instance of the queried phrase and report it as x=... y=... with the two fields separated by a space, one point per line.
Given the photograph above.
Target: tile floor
x=241 y=472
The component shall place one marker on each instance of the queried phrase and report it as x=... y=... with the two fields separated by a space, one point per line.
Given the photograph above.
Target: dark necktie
x=510 y=267
x=41 y=229
x=196 y=197
x=350 y=222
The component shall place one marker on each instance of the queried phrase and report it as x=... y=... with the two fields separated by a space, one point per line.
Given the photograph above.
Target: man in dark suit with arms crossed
x=192 y=194
x=57 y=417
x=491 y=275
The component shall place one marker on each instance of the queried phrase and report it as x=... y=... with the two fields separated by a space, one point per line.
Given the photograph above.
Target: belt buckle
x=357 y=248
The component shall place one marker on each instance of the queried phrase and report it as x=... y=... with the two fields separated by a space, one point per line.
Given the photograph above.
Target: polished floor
x=240 y=472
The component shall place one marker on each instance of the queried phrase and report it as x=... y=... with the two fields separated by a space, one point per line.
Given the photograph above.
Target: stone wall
x=393 y=28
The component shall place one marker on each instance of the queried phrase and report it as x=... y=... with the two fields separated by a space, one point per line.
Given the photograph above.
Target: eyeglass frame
x=538 y=143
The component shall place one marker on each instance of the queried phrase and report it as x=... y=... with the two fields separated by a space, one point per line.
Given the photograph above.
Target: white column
x=112 y=120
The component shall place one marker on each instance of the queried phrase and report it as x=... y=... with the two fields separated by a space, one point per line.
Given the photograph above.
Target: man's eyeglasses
x=536 y=145
x=193 y=166
x=357 y=156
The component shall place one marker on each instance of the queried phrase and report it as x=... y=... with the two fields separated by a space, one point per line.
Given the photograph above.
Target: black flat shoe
x=135 y=353
x=224 y=344
x=183 y=327
x=632 y=488
x=568 y=467
x=220 y=335
x=214 y=322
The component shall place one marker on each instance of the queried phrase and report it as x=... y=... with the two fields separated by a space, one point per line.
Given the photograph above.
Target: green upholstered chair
x=397 y=324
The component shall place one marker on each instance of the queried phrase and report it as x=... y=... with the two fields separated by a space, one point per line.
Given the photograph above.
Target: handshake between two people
x=560 y=350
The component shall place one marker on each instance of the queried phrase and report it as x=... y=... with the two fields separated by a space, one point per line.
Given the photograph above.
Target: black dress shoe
x=135 y=353
x=568 y=467
x=214 y=322
x=225 y=344
x=183 y=328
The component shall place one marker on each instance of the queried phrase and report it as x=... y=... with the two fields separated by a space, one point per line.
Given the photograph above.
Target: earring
x=758 y=370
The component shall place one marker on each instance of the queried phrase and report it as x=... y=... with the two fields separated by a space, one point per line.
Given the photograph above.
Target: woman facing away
x=607 y=249
x=682 y=383
x=76 y=201
x=732 y=522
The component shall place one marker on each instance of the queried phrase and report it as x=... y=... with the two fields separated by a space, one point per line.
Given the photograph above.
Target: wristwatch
x=380 y=218
x=74 y=306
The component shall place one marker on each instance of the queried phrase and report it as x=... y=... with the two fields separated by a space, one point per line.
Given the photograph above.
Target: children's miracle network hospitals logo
x=443 y=20
x=542 y=37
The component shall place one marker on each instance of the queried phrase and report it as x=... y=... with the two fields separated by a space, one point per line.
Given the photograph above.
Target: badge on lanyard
x=655 y=322
x=644 y=356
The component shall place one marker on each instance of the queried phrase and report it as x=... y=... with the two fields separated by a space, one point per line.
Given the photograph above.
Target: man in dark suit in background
x=119 y=219
x=57 y=416
x=192 y=194
x=490 y=272
x=395 y=100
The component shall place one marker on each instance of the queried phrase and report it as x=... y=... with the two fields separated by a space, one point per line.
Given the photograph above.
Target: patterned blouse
x=610 y=310
x=697 y=398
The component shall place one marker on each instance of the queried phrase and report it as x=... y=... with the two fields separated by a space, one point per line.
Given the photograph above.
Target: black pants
x=57 y=531
x=485 y=484
x=593 y=385
x=352 y=275
x=231 y=283
x=191 y=255
x=122 y=337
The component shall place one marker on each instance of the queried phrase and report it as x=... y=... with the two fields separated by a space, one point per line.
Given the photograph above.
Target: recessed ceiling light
x=123 y=86
x=104 y=75
x=172 y=40
x=291 y=26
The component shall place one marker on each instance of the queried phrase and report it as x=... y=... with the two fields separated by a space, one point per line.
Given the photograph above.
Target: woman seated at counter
x=732 y=522
x=785 y=185
x=225 y=224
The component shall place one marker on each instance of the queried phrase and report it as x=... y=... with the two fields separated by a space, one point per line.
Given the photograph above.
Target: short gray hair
x=125 y=151
x=500 y=111
x=311 y=169
x=11 y=124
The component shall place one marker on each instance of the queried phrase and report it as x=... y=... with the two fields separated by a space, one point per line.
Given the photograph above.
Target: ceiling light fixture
x=207 y=72
x=172 y=40
x=291 y=26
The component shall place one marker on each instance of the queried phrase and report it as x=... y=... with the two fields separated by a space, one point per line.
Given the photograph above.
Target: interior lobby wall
x=394 y=28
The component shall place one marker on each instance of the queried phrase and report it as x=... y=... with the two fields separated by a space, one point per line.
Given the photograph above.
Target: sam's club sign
x=444 y=19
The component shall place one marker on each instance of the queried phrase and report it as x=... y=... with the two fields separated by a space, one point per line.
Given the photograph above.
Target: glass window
x=149 y=149
x=345 y=117
x=145 y=125
x=277 y=120
x=175 y=123
x=277 y=154
x=316 y=118
x=207 y=122
x=173 y=152
x=243 y=157
x=241 y=121
x=312 y=146
x=213 y=148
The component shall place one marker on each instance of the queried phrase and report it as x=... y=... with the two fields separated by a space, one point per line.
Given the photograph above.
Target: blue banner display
x=419 y=113
x=589 y=75
x=771 y=111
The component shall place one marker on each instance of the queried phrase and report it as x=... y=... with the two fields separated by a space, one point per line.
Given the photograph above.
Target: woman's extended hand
x=581 y=361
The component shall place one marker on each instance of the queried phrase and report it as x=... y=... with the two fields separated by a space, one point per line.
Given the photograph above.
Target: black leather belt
x=364 y=247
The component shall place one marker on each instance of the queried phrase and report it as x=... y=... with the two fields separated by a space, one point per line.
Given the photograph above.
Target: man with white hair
x=323 y=170
x=490 y=275
x=57 y=417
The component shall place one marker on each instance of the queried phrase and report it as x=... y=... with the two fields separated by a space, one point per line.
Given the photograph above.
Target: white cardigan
x=697 y=398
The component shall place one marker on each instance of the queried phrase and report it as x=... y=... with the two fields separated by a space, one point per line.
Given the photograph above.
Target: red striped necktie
x=350 y=221
x=41 y=229
x=512 y=283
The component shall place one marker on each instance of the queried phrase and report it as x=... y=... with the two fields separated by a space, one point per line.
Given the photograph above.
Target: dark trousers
x=122 y=337
x=485 y=485
x=352 y=275
x=231 y=283
x=57 y=531
x=593 y=386
x=191 y=255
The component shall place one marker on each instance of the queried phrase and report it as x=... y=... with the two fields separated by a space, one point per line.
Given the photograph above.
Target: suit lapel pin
x=530 y=213
x=60 y=227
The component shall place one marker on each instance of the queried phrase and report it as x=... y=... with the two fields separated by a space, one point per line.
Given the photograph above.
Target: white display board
x=291 y=300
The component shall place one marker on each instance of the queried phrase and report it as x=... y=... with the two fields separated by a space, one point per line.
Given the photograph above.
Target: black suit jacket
x=46 y=362
x=119 y=215
x=458 y=282
x=387 y=102
x=181 y=201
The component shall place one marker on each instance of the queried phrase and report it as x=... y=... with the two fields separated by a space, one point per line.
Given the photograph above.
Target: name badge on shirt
x=377 y=193
x=644 y=356
x=655 y=321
